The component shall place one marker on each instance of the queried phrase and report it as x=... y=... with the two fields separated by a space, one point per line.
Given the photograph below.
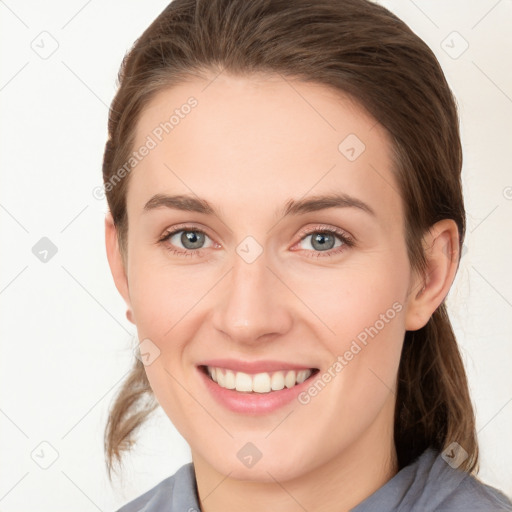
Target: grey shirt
x=427 y=484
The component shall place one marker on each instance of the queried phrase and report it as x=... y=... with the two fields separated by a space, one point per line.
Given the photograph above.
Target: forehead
x=261 y=140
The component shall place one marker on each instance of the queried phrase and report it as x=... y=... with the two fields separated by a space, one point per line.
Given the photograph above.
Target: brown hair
x=364 y=51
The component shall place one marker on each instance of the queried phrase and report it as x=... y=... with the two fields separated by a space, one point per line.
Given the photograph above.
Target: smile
x=263 y=382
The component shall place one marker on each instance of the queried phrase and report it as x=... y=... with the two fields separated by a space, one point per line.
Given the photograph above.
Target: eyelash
x=347 y=240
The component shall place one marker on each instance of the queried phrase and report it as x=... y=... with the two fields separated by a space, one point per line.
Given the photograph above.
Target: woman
x=286 y=220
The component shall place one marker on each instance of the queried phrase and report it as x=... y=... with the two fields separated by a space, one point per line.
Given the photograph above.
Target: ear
x=441 y=245
x=115 y=261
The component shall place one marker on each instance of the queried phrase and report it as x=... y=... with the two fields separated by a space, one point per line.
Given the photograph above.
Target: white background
x=66 y=344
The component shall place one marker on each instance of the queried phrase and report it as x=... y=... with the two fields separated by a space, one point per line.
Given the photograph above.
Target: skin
x=249 y=146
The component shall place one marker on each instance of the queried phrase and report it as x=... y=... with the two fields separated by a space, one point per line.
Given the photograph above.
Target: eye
x=190 y=238
x=323 y=239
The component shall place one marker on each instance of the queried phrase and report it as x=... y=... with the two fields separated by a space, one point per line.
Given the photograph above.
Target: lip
x=253 y=403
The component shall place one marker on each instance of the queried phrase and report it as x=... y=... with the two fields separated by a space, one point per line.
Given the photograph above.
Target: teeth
x=258 y=383
x=221 y=379
x=277 y=381
x=230 y=380
x=261 y=383
x=243 y=382
x=290 y=379
x=302 y=376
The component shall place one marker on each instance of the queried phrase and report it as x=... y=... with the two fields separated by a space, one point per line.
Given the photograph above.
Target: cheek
x=171 y=392
x=163 y=300
x=162 y=295
x=364 y=309
x=360 y=302
x=361 y=376
x=160 y=302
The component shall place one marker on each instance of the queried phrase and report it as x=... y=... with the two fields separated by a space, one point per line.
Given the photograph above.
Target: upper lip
x=253 y=366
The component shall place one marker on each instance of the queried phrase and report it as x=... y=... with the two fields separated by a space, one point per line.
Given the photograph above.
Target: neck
x=337 y=486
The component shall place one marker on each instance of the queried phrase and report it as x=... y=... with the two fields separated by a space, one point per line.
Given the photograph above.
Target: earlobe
x=441 y=245
x=129 y=315
x=115 y=261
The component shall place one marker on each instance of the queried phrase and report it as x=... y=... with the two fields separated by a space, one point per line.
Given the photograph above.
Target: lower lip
x=253 y=403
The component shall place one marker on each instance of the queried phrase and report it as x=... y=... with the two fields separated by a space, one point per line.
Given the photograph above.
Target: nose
x=252 y=306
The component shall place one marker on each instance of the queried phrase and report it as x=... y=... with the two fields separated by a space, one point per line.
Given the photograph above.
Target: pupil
x=320 y=238
x=192 y=237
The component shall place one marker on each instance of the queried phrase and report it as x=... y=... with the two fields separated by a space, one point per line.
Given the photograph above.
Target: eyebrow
x=292 y=206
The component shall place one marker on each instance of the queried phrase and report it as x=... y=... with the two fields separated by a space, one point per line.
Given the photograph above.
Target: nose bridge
x=252 y=304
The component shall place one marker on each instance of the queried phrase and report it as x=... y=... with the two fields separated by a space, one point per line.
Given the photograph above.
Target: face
x=258 y=282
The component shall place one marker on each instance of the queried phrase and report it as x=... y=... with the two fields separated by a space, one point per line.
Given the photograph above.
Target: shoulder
x=472 y=494
x=430 y=484
x=452 y=489
x=176 y=493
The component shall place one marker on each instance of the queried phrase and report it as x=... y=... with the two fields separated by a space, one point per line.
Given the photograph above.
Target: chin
x=271 y=467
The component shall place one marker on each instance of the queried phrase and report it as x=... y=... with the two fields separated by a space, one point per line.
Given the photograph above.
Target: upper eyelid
x=319 y=228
